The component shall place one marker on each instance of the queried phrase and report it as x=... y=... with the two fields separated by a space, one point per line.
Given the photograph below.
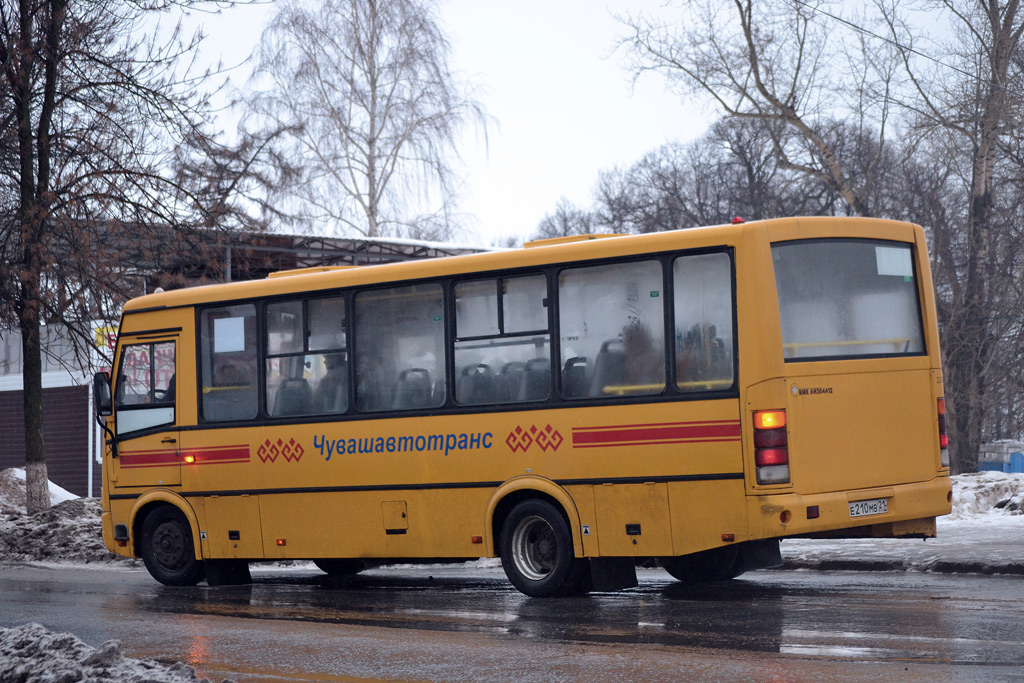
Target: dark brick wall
x=65 y=431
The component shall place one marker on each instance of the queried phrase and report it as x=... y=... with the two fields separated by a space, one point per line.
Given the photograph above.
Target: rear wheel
x=537 y=552
x=717 y=564
x=167 y=548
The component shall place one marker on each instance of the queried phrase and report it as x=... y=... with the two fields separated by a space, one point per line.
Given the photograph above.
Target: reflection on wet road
x=466 y=624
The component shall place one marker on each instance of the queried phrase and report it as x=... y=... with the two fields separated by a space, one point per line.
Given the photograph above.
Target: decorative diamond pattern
x=520 y=439
x=269 y=451
x=292 y=450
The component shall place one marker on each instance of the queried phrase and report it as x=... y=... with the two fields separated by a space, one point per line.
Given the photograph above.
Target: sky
x=563 y=105
x=566 y=108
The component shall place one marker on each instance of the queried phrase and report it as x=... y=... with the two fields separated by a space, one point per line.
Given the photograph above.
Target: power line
x=885 y=39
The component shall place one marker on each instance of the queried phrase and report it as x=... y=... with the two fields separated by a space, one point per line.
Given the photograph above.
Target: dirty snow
x=32 y=653
x=68 y=532
x=12 y=491
x=984 y=534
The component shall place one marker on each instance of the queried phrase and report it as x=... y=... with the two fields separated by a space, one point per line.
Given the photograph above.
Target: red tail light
x=943 y=439
x=771 y=447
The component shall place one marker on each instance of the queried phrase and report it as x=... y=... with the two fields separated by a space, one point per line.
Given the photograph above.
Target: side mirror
x=104 y=402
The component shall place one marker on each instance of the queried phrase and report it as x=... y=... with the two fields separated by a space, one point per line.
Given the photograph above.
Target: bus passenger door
x=145 y=414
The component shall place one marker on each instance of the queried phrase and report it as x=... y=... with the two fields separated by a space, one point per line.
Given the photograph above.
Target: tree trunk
x=36 y=477
x=965 y=411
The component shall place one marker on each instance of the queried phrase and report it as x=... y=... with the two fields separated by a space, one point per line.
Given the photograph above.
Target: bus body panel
x=446 y=477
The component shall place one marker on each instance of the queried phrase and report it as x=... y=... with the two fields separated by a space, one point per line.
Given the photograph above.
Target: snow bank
x=69 y=531
x=12 y=491
x=33 y=653
x=987 y=494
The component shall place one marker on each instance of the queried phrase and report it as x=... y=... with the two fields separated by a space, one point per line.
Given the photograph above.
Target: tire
x=717 y=564
x=168 y=549
x=340 y=567
x=537 y=552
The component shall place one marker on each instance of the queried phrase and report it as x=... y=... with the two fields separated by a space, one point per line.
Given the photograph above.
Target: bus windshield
x=843 y=298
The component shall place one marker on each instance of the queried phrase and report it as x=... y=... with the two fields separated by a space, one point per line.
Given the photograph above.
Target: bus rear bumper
x=902 y=511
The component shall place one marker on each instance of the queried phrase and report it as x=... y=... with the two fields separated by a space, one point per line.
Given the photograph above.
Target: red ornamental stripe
x=643 y=434
x=161 y=458
x=169 y=457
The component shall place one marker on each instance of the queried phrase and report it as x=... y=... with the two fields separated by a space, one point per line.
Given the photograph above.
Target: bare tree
x=372 y=109
x=831 y=90
x=731 y=171
x=94 y=112
x=567 y=220
x=774 y=61
x=967 y=95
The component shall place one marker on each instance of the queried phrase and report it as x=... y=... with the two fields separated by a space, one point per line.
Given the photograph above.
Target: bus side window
x=399 y=348
x=228 y=363
x=703 y=311
x=612 y=330
x=502 y=342
x=306 y=364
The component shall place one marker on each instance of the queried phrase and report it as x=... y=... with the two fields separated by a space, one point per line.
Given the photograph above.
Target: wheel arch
x=153 y=500
x=525 y=488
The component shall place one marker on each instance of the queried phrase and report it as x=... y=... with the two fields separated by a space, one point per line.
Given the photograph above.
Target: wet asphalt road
x=467 y=624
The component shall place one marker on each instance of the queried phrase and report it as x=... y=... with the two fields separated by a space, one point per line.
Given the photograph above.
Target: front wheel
x=537 y=553
x=167 y=548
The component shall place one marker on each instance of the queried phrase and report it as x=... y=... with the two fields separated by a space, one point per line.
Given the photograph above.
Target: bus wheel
x=717 y=564
x=167 y=548
x=537 y=553
x=340 y=567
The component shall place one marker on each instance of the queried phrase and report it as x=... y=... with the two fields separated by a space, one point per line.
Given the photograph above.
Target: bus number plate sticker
x=875 y=506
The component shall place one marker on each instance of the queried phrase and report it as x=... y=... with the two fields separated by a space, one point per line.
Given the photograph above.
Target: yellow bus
x=573 y=407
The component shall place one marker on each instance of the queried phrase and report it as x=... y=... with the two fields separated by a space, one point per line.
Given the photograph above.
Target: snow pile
x=32 y=653
x=987 y=493
x=70 y=531
x=12 y=491
x=67 y=532
x=982 y=535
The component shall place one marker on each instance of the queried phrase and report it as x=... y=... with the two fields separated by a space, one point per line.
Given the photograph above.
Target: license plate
x=875 y=506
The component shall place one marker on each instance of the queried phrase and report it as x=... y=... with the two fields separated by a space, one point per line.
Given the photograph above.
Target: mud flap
x=612 y=573
x=763 y=554
x=227 y=573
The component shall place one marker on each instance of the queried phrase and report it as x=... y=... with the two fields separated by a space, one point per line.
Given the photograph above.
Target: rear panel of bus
x=852 y=371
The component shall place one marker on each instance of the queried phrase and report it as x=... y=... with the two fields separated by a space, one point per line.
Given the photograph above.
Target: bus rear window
x=845 y=298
